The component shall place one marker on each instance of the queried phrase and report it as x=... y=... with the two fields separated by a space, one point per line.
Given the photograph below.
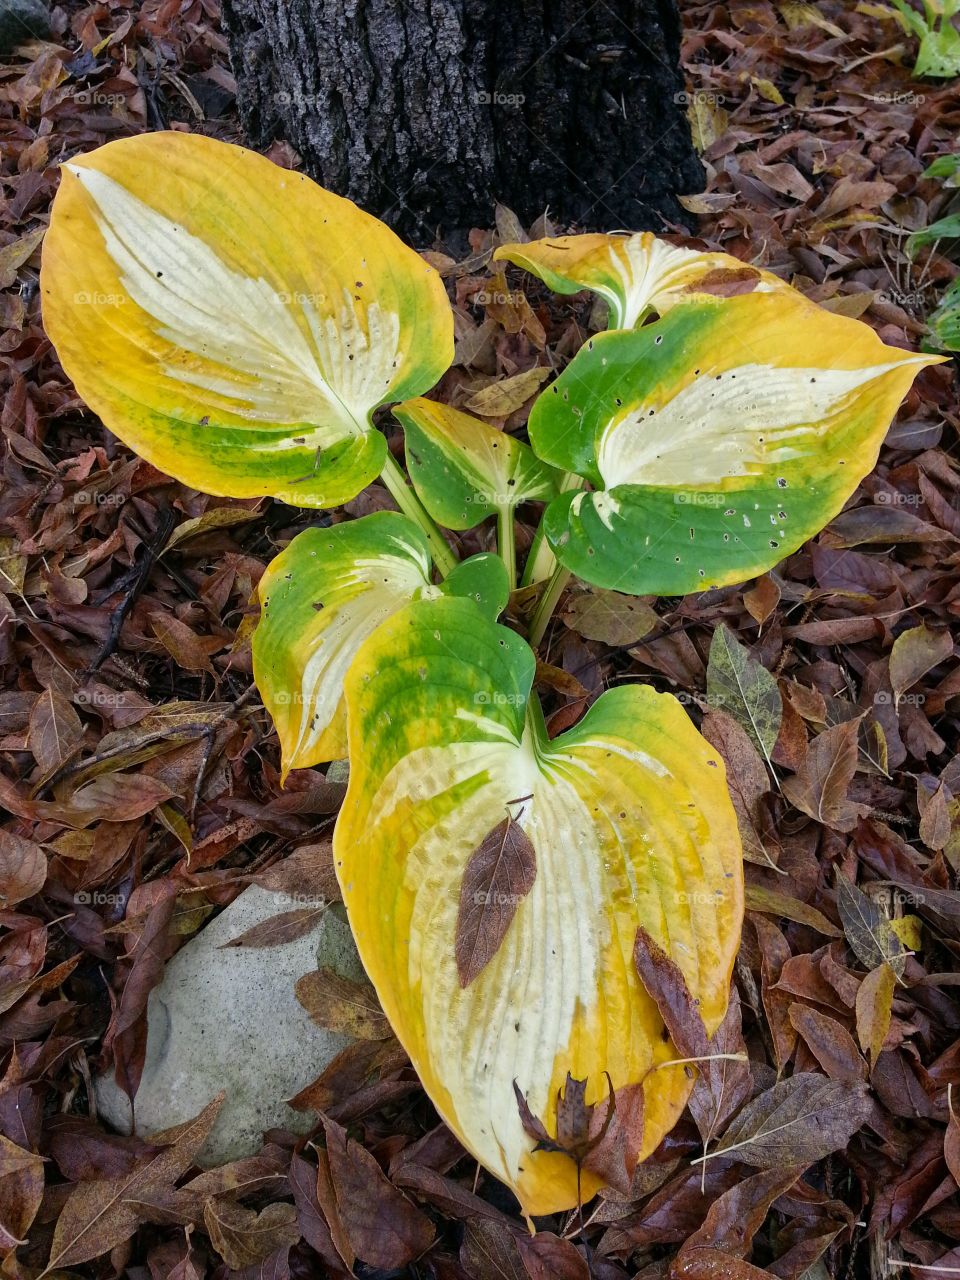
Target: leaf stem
x=541 y=561
x=406 y=499
x=547 y=603
x=507 y=542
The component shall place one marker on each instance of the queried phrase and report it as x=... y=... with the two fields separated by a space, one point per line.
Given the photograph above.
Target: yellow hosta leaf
x=233 y=322
x=630 y=825
x=321 y=598
x=635 y=274
x=716 y=441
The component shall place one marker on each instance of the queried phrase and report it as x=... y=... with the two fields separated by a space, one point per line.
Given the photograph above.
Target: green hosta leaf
x=717 y=440
x=635 y=274
x=945 y=321
x=321 y=598
x=465 y=470
x=741 y=686
x=947 y=228
x=483 y=579
x=630 y=825
x=939 y=54
x=233 y=322
x=946 y=167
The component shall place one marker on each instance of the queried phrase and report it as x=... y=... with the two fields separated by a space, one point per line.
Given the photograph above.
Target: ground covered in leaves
x=139 y=773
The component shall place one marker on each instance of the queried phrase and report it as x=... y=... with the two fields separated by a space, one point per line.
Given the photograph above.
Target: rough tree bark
x=427 y=111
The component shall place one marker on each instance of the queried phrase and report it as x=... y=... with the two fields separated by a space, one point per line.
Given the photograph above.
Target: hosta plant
x=238 y=327
x=944 y=321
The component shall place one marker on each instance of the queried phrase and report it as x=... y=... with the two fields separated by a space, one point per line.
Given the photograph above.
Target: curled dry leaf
x=101 y=1213
x=349 y=1008
x=798 y=1121
x=21 y=1191
x=383 y=1227
x=819 y=788
x=245 y=1238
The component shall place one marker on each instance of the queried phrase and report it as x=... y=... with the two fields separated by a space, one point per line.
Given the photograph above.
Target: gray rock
x=229 y=1019
x=22 y=21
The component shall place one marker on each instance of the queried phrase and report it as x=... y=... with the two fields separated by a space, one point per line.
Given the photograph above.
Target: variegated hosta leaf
x=233 y=322
x=631 y=825
x=321 y=598
x=636 y=274
x=717 y=439
x=465 y=470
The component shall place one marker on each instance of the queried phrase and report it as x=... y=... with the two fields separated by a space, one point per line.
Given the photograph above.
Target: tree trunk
x=426 y=112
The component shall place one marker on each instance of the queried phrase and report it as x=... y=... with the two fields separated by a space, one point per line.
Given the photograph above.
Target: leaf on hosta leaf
x=744 y=688
x=243 y=1237
x=635 y=274
x=609 y=617
x=337 y=1003
x=914 y=653
x=21 y=1191
x=798 y=1121
x=867 y=929
x=631 y=825
x=500 y=399
x=716 y=440
x=498 y=876
x=321 y=597
x=874 y=1009
x=577 y=1133
x=231 y=321
x=465 y=470
x=383 y=1227
x=819 y=787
